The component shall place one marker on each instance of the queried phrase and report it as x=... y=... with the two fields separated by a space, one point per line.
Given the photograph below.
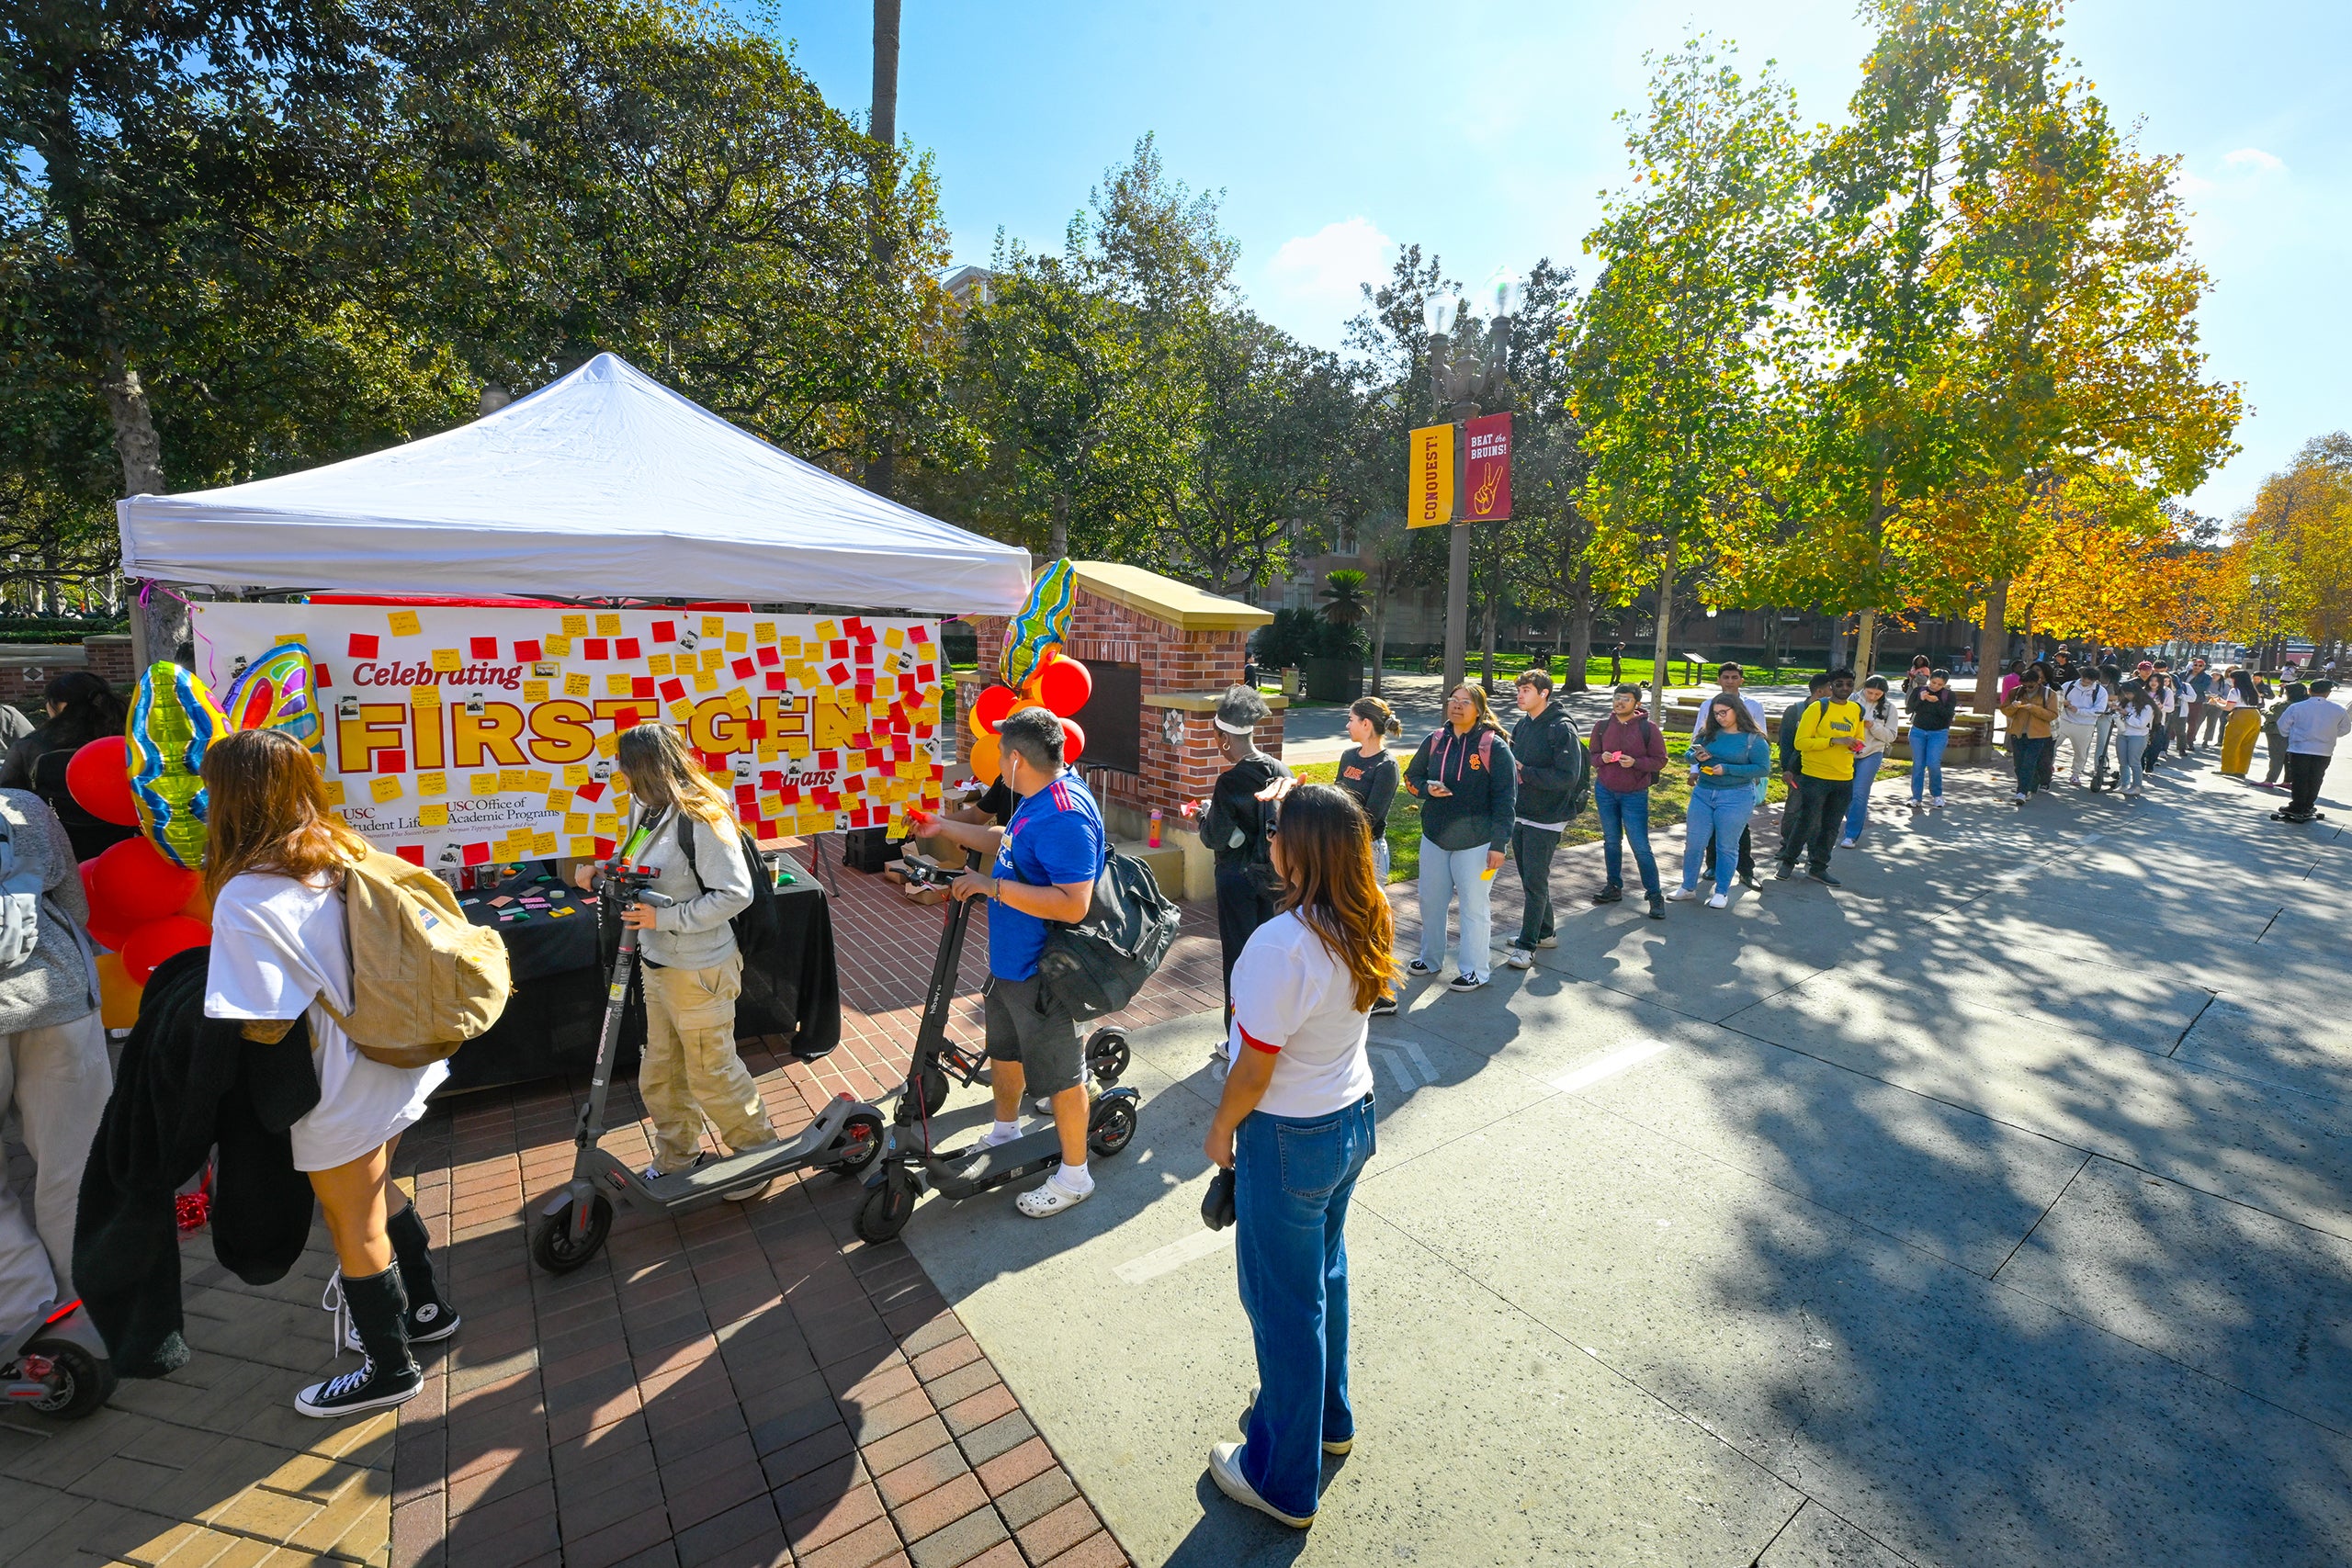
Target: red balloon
x=98 y=778
x=990 y=706
x=158 y=940
x=1065 y=685
x=131 y=884
x=1073 y=741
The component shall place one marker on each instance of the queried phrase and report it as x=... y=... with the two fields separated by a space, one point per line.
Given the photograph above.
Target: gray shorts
x=1044 y=1043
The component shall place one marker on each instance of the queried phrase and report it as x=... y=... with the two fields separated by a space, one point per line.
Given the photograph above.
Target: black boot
x=389 y=1375
x=1657 y=907
x=430 y=1315
x=1609 y=894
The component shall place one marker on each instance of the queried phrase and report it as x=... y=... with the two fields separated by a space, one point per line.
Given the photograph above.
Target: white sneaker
x=1517 y=957
x=1845 y=843
x=1682 y=896
x=1465 y=982
x=1717 y=900
x=1935 y=802
x=1547 y=942
x=1224 y=1469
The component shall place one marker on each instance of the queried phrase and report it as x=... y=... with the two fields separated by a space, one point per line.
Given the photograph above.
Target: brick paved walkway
x=738 y=1385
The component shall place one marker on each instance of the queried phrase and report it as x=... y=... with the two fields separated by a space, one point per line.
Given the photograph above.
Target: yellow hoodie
x=1825 y=736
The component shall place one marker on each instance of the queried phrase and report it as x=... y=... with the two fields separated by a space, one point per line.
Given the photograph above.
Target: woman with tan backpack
x=277 y=866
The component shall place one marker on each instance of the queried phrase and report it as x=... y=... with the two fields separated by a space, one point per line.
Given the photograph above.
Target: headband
x=1235 y=729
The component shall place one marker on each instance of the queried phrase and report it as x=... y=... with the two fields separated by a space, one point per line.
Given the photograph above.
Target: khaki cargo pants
x=691 y=1069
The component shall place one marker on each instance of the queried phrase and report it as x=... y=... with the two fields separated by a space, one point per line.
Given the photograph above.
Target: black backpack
x=1580 y=792
x=758 y=928
x=1097 y=966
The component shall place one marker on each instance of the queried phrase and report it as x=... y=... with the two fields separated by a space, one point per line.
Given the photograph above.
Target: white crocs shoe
x=1050 y=1197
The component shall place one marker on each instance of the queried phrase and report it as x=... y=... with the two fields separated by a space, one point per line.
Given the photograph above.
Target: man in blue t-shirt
x=1046 y=862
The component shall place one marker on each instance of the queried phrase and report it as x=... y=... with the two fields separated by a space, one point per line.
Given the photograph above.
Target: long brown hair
x=1328 y=877
x=267 y=809
x=1485 y=710
x=662 y=775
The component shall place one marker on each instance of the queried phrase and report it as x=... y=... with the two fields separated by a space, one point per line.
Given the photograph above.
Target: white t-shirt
x=278 y=946
x=1292 y=996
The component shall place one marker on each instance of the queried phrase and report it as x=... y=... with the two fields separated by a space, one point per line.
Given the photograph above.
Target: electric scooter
x=845 y=1136
x=909 y=1166
x=57 y=1366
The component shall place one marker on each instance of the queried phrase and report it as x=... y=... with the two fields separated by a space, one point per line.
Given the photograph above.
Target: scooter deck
x=982 y=1166
x=712 y=1177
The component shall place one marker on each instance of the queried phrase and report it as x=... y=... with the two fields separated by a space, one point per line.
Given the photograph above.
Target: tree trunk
x=1057 y=542
x=1865 y=645
x=1665 y=623
x=1580 y=634
x=1379 y=631
x=155 y=624
x=1992 y=645
x=882 y=127
x=1487 y=634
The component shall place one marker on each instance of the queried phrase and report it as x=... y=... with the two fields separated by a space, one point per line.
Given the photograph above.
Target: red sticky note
x=769 y=656
x=856 y=626
x=666 y=631
x=778 y=681
x=325 y=677
x=741 y=669
x=591 y=792
x=917 y=634
x=412 y=853
x=392 y=761
x=642 y=687
x=527 y=651
x=672 y=691
x=866 y=691
x=605 y=848
x=592 y=647
x=770 y=779
x=482 y=647
x=748 y=814
x=476 y=853
x=837 y=648
x=838 y=674
x=628 y=649
x=745 y=794
x=627 y=718
x=363 y=645
x=924 y=674
x=789 y=795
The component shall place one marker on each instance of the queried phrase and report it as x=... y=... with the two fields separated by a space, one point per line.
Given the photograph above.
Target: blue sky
x=1482 y=130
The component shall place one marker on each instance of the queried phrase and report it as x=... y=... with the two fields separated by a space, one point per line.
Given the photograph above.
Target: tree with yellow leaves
x=2289 y=570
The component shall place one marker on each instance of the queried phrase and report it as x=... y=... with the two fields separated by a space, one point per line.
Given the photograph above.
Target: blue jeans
x=1858 y=810
x=2133 y=754
x=1445 y=873
x=2031 y=755
x=1716 y=817
x=1627 y=814
x=1928 y=762
x=1292 y=1181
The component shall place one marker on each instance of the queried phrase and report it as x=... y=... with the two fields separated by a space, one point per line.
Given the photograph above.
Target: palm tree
x=1343 y=603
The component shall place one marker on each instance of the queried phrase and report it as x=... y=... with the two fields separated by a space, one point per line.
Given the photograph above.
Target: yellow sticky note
x=535 y=691
x=538 y=781
x=737 y=643
x=543 y=843
x=424 y=696
x=770 y=805
x=576 y=685
x=608 y=626
x=714 y=626
x=764 y=632
x=433 y=783
x=788 y=647
x=714 y=657
x=404 y=623
x=483 y=783
x=607 y=743
x=682 y=711
x=334 y=791
x=894 y=636
x=575 y=822
x=575 y=625
x=704 y=680
x=385 y=788
x=558 y=800
x=656 y=664
x=433 y=816
x=584 y=849
x=576 y=773
x=619 y=686
x=606 y=821
x=510 y=780
x=446 y=661
x=555 y=646
x=828 y=631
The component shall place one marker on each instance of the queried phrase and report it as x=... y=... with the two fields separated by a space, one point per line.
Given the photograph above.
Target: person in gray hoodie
x=1551 y=766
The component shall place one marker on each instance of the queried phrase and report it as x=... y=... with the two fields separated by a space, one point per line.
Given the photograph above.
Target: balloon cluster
x=143 y=908
x=1033 y=673
x=146 y=895
x=1060 y=686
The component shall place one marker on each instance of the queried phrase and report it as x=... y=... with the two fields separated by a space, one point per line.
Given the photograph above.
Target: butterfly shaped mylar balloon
x=174 y=720
x=1041 y=625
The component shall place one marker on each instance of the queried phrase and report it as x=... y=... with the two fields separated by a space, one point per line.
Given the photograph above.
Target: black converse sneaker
x=367 y=1389
x=427 y=1322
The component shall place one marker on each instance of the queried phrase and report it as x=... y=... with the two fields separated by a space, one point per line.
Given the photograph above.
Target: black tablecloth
x=551 y=1024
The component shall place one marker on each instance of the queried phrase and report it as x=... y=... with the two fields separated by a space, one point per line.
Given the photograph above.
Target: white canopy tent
x=602 y=484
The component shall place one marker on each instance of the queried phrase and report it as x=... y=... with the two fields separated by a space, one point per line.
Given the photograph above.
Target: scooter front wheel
x=1106 y=1054
x=859 y=1141
x=886 y=1209
x=80 y=1381
x=553 y=1246
x=1111 y=1126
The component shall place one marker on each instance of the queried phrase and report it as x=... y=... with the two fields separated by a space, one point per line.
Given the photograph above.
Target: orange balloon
x=199 y=906
x=986 y=754
x=118 y=998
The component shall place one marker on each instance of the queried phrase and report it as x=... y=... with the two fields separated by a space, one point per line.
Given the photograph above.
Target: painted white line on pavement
x=1421 y=1060
x=1396 y=1068
x=1175 y=1255
x=1411 y=1048
x=1608 y=1065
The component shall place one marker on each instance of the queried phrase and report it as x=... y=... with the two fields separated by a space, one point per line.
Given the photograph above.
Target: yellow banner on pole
x=1428 y=499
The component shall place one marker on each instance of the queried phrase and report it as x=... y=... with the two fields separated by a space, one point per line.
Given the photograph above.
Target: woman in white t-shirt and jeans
x=274 y=863
x=1295 y=1127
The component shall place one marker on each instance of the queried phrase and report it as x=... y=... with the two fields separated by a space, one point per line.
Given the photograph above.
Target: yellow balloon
x=118 y=998
x=972 y=722
x=986 y=756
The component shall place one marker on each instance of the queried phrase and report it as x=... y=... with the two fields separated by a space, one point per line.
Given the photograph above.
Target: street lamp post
x=1464 y=378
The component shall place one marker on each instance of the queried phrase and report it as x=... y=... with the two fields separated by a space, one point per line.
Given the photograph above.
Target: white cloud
x=2253 y=158
x=1313 y=282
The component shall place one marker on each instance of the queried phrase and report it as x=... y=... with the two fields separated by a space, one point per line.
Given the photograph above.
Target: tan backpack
x=423 y=980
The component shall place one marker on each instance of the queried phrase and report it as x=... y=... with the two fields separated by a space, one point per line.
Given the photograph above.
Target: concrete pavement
x=1996 y=1209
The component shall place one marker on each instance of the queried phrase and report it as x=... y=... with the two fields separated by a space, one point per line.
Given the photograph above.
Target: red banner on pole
x=1485 y=478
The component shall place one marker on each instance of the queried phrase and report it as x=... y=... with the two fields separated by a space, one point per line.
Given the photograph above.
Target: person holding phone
x=1729 y=758
x=1467 y=781
x=1932 y=709
x=1628 y=754
x=1829 y=737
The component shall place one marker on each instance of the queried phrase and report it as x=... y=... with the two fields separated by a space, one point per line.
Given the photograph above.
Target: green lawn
x=1670 y=801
